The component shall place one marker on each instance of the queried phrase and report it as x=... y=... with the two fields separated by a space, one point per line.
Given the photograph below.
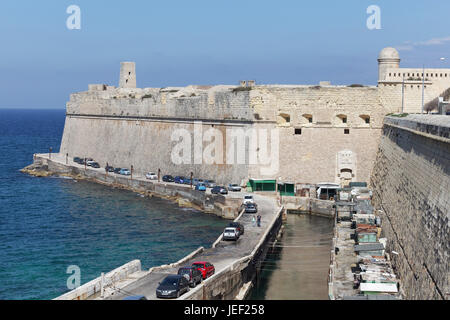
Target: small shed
x=286 y=189
x=262 y=185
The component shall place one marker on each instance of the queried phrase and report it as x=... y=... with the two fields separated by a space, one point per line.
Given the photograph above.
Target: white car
x=230 y=233
x=151 y=176
x=248 y=199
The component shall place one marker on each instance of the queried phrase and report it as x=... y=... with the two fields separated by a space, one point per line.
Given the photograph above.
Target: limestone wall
x=125 y=127
x=411 y=183
x=145 y=144
x=312 y=155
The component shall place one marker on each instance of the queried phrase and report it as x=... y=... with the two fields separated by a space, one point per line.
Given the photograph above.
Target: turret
x=127 y=75
x=388 y=59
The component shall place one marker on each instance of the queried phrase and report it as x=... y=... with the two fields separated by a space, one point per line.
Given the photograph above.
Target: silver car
x=234 y=187
x=210 y=183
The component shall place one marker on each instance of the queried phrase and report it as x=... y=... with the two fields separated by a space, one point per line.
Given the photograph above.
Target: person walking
x=258 y=219
x=253 y=221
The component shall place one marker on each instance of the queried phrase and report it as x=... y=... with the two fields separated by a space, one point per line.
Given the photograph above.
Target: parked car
x=95 y=165
x=125 y=172
x=248 y=199
x=167 y=178
x=76 y=159
x=109 y=168
x=193 y=275
x=239 y=226
x=206 y=268
x=219 y=189
x=117 y=170
x=151 y=176
x=234 y=187
x=251 y=208
x=179 y=179
x=200 y=187
x=135 y=298
x=187 y=181
x=230 y=233
x=210 y=183
x=173 y=286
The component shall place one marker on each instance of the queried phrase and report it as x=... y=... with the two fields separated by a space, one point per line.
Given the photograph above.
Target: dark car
x=167 y=178
x=219 y=189
x=95 y=165
x=187 y=181
x=117 y=170
x=206 y=268
x=238 y=226
x=109 y=169
x=77 y=159
x=179 y=179
x=172 y=286
x=193 y=275
x=251 y=208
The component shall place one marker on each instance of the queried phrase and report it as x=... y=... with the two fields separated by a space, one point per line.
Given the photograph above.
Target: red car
x=206 y=268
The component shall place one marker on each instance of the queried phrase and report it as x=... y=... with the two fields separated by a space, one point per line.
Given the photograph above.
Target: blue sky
x=177 y=43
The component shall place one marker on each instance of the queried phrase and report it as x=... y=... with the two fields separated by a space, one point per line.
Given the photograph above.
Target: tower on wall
x=388 y=59
x=127 y=75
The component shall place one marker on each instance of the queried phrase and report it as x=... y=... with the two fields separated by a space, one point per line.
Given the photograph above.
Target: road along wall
x=228 y=283
x=411 y=183
x=184 y=195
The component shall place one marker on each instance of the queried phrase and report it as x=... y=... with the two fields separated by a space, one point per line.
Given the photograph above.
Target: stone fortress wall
x=411 y=183
x=326 y=133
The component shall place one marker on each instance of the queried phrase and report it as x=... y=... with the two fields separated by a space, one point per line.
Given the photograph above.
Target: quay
x=236 y=263
x=360 y=267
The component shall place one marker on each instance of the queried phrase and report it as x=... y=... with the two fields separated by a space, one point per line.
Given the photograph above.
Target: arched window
x=284 y=118
x=342 y=117
x=308 y=117
x=365 y=118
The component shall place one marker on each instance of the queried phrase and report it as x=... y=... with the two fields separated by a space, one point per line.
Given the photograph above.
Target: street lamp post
x=423 y=87
x=403 y=94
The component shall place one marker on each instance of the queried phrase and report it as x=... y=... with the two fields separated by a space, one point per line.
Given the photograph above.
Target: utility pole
x=159 y=174
x=131 y=172
x=67 y=158
x=192 y=176
x=50 y=153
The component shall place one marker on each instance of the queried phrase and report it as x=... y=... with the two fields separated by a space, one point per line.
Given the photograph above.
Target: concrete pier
x=235 y=262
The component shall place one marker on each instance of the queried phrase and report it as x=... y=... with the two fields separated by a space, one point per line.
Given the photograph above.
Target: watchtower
x=127 y=75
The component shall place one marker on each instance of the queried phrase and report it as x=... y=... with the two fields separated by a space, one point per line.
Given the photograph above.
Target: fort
x=330 y=133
